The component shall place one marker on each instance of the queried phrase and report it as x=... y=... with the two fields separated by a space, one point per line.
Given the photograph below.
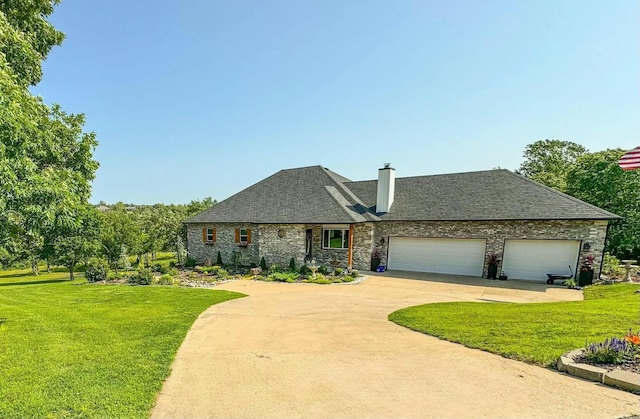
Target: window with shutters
x=243 y=237
x=208 y=235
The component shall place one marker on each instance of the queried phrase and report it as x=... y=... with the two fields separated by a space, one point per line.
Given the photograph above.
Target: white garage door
x=444 y=256
x=534 y=259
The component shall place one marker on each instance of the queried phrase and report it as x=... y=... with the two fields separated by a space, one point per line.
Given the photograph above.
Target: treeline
x=114 y=232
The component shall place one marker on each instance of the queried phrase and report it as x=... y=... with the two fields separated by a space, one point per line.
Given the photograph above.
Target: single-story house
x=447 y=224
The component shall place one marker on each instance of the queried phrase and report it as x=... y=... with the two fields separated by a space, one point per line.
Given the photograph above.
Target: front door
x=308 y=256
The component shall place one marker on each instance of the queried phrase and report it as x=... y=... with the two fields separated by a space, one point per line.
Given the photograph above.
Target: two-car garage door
x=445 y=256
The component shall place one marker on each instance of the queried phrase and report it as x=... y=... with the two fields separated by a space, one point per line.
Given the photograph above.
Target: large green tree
x=46 y=162
x=549 y=161
x=597 y=179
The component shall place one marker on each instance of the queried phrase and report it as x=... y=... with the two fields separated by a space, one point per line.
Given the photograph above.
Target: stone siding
x=267 y=243
x=496 y=232
x=362 y=248
x=280 y=250
x=225 y=243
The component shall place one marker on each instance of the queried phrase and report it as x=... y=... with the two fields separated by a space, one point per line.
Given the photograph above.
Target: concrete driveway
x=318 y=351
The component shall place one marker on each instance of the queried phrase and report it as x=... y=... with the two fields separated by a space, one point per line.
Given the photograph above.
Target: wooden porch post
x=350 y=252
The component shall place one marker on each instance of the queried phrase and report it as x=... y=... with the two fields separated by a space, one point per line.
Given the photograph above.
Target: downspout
x=350 y=252
x=606 y=236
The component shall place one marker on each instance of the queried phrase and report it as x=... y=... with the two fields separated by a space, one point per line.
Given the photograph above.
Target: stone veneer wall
x=280 y=250
x=265 y=242
x=496 y=232
x=367 y=236
x=362 y=247
x=225 y=243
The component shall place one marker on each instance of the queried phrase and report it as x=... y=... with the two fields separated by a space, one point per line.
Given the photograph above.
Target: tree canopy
x=597 y=179
x=549 y=161
x=46 y=159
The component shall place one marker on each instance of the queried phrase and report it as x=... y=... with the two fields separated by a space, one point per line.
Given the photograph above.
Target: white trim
x=345 y=238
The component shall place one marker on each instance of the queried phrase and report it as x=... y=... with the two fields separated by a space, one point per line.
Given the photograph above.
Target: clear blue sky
x=203 y=98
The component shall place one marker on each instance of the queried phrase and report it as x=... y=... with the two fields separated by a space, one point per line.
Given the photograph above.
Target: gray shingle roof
x=475 y=196
x=317 y=195
x=294 y=196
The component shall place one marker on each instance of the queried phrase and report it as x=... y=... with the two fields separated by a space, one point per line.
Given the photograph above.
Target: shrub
x=323 y=270
x=172 y=264
x=263 y=264
x=611 y=266
x=97 y=270
x=321 y=281
x=570 y=283
x=191 y=262
x=165 y=279
x=143 y=276
x=354 y=273
x=275 y=268
x=348 y=278
x=173 y=272
x=338 y=271
x=219 y=259
x=304 y=270
x=162 y=269
x=292 y=265
x=222 y=273
x=284 y=276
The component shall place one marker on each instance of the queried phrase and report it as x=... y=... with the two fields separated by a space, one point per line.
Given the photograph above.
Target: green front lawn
x=537 y=333
x=79 y=350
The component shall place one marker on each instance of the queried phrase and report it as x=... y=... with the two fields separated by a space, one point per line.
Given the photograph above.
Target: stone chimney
x=386 y=188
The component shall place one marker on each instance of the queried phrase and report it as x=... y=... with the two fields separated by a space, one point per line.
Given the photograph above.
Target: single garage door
x=444 y=256
x=534 y=259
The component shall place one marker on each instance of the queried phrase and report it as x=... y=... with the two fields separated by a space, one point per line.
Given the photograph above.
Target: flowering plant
x=633 y=338
x=587 y=263
x=611 y=351
x=375 y=254
x=493 y=259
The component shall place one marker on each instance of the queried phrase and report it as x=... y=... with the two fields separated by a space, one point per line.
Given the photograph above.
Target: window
x=335 y=239
x=208 y=235
x=243 y=235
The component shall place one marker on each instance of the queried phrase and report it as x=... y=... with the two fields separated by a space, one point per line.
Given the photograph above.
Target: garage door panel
x=534 y=259
x=447 y=256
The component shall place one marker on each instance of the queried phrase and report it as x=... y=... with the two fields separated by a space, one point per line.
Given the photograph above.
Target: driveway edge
x=624 y=380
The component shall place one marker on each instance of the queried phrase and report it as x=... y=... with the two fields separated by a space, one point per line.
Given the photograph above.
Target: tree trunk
x=34 y=267
x=48 y=266
x=71 y=272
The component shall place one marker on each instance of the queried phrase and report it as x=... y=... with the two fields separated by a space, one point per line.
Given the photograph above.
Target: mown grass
x=25 y=277
x=537 y=333
x=77 y=350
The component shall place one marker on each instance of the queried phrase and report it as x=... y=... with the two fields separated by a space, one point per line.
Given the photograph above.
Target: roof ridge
x=549 y=188
x=435 y=175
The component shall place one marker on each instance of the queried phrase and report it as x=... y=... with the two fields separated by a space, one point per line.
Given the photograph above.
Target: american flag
x=630 y=160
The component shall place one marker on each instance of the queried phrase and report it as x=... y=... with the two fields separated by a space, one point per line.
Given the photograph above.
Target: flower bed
x=614 y=353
